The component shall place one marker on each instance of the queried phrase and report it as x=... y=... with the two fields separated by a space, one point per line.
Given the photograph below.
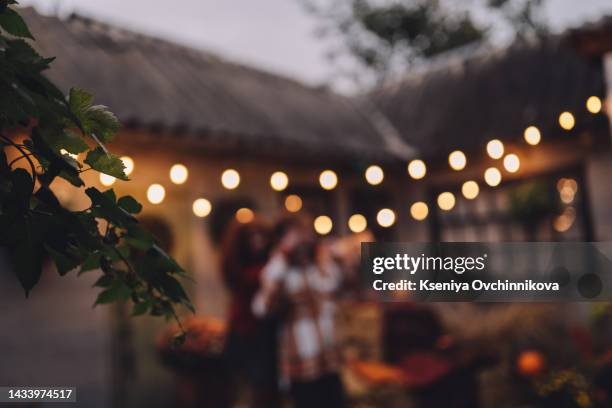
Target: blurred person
x=299 y=284
x=250 y=348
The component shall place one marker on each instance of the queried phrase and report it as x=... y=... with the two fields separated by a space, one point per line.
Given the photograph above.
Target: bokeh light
x=470 y=189
x=492 y=176
x=374 y=175
x=357 y=223
x=419 y=210
x=279 y=181
x=245 y=215
x=328 y=179
x=446 y=201
x=179 y=174
x=457 y=160
x=417 y=169
x=532 y=135
x=323 y=225
x=156 y=193
x=230 y=179
x=201 y=207
x=567 y=121
x=512 y=163
x=293 y=203
x=495 y=149
x=385 y=217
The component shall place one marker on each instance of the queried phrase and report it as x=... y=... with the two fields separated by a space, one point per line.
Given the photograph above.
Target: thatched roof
x=465 y=102
x=155 y=84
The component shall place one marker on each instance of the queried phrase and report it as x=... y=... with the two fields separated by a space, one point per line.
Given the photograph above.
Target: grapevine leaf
x=106 y=163
x=13 y=24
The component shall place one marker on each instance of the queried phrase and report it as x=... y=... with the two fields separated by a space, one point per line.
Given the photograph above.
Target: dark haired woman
x=251 y=343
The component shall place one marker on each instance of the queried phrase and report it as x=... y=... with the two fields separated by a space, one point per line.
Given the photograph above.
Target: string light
x=178 y=174
x=512 y=163
x=495 y=149
x=128 y=164
x=107 y=180
x=385 y=217
x=328 y=179
x=323 y=225
x=419 y=210
x=446 y=201
x=492 y=176
x=230 y=179
x=470 y=189
x=532 y=135
x=279 y=181
x=417 y=169
x=567 y=121
x=357 y=223
x=457 y=160
x=156 y=193
x=293 y=203
x=245 y=215
x=593 y=104
x=201 y=207
x=374 y=175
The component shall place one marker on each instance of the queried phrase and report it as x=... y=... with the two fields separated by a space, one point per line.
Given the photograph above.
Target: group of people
x=283 y=283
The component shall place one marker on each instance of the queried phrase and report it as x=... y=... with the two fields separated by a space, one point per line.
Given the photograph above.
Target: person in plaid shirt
x=299 y=285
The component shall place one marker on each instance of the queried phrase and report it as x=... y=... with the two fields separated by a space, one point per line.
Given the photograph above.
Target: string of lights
x=374 y=175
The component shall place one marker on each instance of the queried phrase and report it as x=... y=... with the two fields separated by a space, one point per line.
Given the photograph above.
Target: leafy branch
x=34 y=225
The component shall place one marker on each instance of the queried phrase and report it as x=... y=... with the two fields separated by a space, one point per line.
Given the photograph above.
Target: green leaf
x=139 y=238
x=91 y=262
x=79 y=100
x=141 y=308
x=129 y=204
x=27 y=254
x=95 y=120
x=13 y=24
x=106 y=207
x=119 y=291
x=104 y=281
x=66 y=140
x=101 y=122
x=106 y=163
x=63 y=261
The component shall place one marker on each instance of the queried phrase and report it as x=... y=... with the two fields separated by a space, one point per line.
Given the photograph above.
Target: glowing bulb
x=107 y=180
x=374 y=175
x=457 y=160
x=385 y=217
x=245 y=215
x=446 y=201
x=156 y=193
x=230 y=179
x=128 y=163
x=593 y=104
x=417 y=169
x=532 y=135
x=328 y=179
x=567 y=121
x=201 y=207
x=419 y=210
x=512 y=163
x=293 y=203
x=178 y=174
x=470 y=189
x=492 y=176
x=279 y=181
x=495 y=149
x=323 y=224
x=357 y=223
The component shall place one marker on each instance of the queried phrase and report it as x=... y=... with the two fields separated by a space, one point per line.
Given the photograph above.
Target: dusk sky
x=276 y=35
